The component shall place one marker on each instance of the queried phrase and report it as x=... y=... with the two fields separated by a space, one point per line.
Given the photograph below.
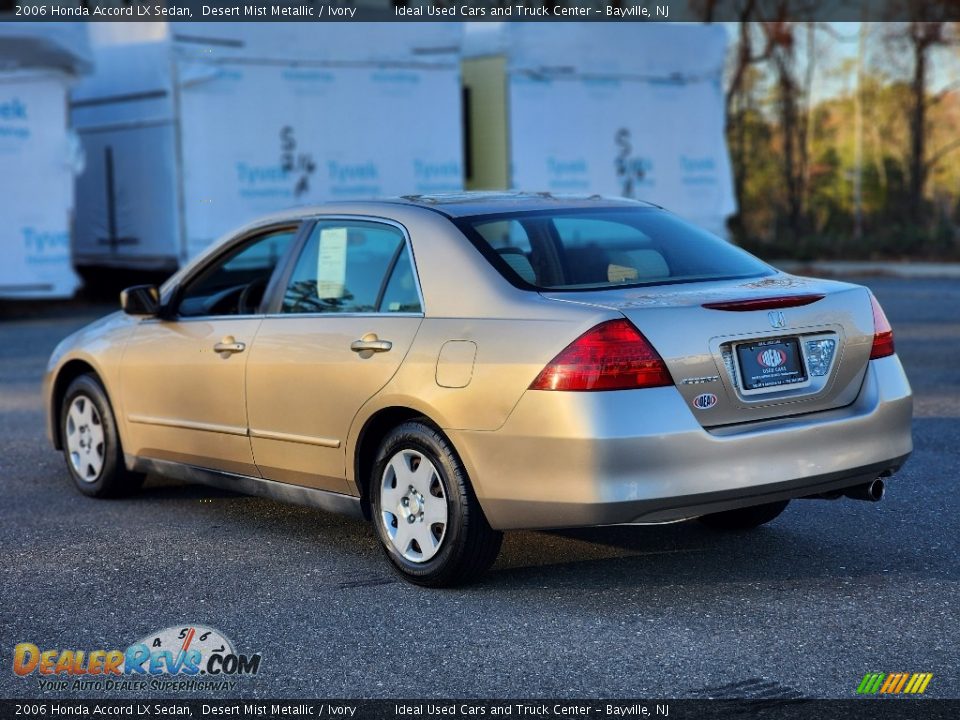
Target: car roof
x=465 y=204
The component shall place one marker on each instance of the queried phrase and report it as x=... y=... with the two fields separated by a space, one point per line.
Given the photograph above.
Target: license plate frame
x=771 y=365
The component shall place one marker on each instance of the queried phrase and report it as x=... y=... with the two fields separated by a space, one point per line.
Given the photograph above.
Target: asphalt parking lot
x=803 y=607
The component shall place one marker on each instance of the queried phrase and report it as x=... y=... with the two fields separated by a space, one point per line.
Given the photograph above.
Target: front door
x=347 y=317
x=183 y=377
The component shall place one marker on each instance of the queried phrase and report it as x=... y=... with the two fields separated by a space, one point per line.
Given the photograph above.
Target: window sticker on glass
x=332 y=263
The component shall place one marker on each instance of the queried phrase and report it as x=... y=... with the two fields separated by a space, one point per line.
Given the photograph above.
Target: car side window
x=352 y=267
x=234 y=285
x=401 y=294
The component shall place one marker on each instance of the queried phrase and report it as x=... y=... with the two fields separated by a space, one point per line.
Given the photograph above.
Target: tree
x=738 y=100
x=767 y=36
x=926 y=31
x=793 y=81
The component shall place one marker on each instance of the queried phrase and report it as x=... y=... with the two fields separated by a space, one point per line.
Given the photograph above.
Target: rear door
x=344 y=318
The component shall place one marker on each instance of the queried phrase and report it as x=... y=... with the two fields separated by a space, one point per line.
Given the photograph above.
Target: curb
x=854 y=267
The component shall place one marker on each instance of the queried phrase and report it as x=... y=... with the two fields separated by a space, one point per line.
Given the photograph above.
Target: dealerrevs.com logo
x=186 y=657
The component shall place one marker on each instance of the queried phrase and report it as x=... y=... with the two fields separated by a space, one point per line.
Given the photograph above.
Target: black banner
x=479 y=10
x=872 y=709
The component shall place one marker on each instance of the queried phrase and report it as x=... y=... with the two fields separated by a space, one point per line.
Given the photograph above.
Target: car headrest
x=641 y=264
x=519 y=263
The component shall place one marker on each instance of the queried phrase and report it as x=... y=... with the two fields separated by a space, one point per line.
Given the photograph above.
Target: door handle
x=228 y=346
x=370 y=344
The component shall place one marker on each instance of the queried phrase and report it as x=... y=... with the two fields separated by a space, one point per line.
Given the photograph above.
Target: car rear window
x=591 y=249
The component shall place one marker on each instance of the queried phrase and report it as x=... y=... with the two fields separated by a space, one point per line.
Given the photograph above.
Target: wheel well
x=372 y=434
x=68 y=373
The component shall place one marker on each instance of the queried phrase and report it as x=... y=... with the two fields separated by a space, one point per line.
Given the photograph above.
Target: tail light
x=612 y=356
x=882 y=332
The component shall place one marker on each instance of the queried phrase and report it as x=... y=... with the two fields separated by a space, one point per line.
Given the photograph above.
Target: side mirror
x=141 y=300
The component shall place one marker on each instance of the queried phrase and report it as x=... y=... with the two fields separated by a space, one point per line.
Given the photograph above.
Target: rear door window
x=352 y=267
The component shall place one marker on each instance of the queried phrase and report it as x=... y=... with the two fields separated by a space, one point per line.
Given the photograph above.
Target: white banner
x=622 y=109
x=656 y=141
x=37 y=164
x=258 y=138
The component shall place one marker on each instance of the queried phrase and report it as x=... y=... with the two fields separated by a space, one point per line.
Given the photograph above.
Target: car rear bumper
x=566 y=459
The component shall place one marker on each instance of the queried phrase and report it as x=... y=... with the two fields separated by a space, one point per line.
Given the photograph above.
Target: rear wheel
x=744 y=518
x=429 y=522
x=91 y=445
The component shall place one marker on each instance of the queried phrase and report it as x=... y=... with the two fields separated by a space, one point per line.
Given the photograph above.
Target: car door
x=183 y=374
x=337 y=331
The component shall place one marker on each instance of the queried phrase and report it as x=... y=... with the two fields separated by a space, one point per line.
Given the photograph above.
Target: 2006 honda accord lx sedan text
x=454 y=366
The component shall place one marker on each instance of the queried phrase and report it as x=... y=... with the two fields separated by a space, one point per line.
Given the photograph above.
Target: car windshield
x=596 y=249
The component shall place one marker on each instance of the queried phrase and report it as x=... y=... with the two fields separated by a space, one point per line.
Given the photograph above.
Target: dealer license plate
x=770 y=363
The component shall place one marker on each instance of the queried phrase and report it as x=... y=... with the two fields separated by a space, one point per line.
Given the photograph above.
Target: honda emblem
x=777 y=320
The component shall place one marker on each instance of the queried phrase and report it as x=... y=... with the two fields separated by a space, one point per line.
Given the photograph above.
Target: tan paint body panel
x=577 y=459
x=510 y=355
x=183 y=401
x=100 y=345
x=304 y=386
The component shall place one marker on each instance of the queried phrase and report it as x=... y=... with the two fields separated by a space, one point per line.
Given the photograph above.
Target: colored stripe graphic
x=925 y=679
x=889 y=683
x=894 y=683
x=901 y=683
x=870 y=683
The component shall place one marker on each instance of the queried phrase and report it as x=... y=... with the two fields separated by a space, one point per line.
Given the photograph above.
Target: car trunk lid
x=746 y=350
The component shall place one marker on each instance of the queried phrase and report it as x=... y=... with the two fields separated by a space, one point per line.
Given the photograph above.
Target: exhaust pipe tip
x=870 y=492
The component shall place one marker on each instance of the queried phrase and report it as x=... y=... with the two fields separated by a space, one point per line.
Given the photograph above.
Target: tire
x=746 y=518
x=91 y=445
x=459 y=544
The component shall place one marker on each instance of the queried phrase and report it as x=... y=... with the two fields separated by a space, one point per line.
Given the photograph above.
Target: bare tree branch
x=940 y=154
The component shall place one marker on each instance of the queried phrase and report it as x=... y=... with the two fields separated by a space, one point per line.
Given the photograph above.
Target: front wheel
x=91 y=444
x=746 y=518
x=429 y=522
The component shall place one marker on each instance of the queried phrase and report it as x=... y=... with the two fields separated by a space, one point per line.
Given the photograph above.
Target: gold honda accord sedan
x=450 y=367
